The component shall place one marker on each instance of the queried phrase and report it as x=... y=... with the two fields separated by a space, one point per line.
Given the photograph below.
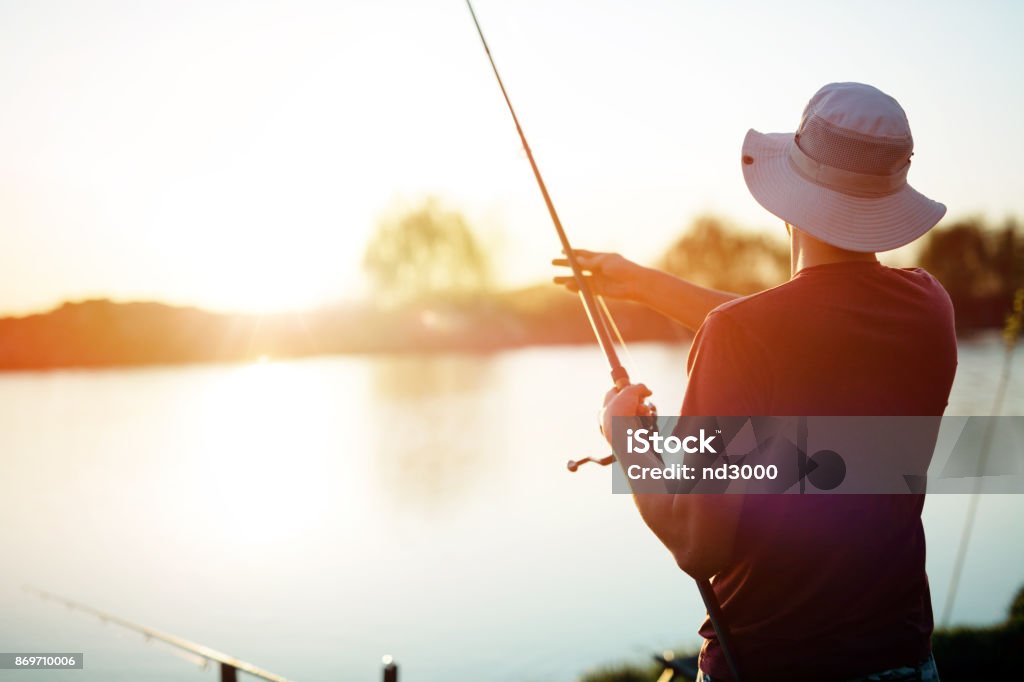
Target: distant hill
x=102 y=333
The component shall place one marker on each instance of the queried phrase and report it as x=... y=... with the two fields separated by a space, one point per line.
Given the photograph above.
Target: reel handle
x=649 y=421
x=575 y=464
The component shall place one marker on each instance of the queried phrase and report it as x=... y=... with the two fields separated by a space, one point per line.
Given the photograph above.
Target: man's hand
x=628 y=401
x=610 y=275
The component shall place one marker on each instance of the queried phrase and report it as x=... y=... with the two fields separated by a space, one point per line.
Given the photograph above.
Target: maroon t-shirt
x=824 y=587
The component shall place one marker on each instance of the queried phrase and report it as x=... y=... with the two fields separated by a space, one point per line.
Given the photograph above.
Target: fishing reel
x=648 y=421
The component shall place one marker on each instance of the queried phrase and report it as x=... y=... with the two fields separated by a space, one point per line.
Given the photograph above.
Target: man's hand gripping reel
x=648 y=420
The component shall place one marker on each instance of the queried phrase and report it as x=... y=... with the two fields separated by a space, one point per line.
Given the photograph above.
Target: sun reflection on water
x=263 y=470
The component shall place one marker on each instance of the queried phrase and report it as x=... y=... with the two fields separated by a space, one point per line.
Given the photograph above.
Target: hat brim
x=849 y=222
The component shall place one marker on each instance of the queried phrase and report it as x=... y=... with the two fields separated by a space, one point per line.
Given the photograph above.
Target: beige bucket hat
x=842 y=177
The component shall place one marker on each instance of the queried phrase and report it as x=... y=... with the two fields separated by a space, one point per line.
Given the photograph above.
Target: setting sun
x=240 y=161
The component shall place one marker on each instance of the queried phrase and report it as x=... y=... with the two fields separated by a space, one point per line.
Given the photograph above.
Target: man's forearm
x=679 y=300
x=699 y=530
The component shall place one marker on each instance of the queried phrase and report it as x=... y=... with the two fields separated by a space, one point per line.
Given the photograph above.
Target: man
x=815 y=587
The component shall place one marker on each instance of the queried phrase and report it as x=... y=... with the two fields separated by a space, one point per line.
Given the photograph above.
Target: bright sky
x=235 y=155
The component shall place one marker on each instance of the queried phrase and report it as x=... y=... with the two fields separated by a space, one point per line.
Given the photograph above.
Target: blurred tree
x=971 y=259
x=426 y=253
x=715 y=254
x=980 y=267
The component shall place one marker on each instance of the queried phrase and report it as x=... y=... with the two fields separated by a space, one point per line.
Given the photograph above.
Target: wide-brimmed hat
x=842 y=177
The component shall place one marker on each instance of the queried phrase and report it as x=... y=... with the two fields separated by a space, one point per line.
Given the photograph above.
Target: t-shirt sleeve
x=729 y=373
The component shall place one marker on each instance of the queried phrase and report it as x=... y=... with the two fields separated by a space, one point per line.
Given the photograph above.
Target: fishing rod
x=204 y=655
x=229 y=665
x=1011 y=333
x=597 y=313
x=603 y=325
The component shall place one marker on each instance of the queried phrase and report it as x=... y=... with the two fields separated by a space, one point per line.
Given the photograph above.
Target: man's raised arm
x=613 y=276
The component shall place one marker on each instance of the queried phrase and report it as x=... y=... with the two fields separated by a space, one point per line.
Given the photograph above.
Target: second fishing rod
x=604 y=328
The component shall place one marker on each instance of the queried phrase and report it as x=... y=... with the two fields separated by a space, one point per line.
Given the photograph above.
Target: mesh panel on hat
x=839 y=148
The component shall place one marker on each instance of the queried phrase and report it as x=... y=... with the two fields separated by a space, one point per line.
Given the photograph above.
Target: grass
x=995 y=652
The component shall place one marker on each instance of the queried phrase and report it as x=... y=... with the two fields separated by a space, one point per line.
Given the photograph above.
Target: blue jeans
x=926 y=672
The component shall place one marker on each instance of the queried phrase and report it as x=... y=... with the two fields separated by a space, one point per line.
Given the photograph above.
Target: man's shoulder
x=929 y=285
x=913 y=287
x=752 y=306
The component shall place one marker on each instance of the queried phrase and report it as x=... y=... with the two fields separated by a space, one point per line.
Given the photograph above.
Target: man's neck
x=808 y=252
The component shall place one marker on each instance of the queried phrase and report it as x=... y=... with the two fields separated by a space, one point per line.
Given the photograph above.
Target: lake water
x=313 y=515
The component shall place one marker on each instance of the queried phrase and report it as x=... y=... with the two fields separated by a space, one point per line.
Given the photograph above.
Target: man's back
x=826 y=586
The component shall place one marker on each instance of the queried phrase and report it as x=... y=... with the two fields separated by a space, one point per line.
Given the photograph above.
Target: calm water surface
x=314 y=515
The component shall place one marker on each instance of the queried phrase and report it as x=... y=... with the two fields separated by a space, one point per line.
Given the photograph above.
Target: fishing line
x=1011 y=333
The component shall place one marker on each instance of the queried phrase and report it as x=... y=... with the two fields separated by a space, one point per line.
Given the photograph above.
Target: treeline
x=434 y=293
x=980 y=266
x=430 y=254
